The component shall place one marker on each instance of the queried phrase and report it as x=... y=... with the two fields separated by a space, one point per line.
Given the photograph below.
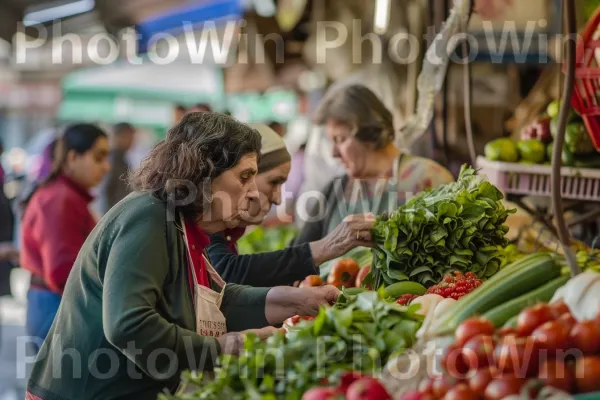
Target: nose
x=335 y=151
x=276 y=198
x=253 y=191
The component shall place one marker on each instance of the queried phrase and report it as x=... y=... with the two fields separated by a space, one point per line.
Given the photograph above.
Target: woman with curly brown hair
x=142 y=302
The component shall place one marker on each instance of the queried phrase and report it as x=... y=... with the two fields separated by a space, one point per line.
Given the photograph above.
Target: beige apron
x=210 y=321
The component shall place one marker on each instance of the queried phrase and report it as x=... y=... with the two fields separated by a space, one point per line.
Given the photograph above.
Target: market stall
x=443 y=306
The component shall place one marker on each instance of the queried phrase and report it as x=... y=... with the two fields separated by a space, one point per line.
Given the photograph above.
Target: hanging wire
x=468 y=89
x=559 y=140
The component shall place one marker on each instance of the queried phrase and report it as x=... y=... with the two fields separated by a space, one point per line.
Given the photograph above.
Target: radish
x=414 y=395
x=321 y=393
x=348 y=378
x=367 y=389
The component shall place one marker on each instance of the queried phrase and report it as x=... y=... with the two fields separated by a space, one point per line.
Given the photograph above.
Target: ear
x=71 y=157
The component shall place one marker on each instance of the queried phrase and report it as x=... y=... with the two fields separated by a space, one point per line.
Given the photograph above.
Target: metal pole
x=468 y=89
x=559 y=141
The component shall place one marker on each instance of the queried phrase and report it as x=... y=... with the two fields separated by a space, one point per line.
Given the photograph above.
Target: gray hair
x=357 y=107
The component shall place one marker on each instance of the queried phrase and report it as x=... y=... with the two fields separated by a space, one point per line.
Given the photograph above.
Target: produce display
x=359 y=334
x=535 y=144
x=261 y=239
x=456 y=227
x=548 y=353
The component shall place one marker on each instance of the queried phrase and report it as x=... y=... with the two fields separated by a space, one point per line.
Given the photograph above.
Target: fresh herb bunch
x=262 y=240
x=360 y=335
x=456 y=227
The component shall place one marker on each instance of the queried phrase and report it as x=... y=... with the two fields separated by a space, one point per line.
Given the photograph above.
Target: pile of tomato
x=547 y=348
x=456 y=285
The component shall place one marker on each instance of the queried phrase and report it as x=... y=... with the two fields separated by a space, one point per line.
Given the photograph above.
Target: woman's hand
x=354 y=231
x=233 y=343
x=313 y=298
x=284 y=302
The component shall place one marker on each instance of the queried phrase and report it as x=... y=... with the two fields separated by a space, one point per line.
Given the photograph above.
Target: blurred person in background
x=7 y=225
x=294 y=263
x=179 y=113
x=200 y=107
x=379 y=176
x=57 y=220
x=114 y=188
x=277 y=127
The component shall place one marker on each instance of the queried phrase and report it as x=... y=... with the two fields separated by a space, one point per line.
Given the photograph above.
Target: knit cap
x=273 y=153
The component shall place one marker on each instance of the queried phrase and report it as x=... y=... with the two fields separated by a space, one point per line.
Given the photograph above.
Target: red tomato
x=553 y=337
x=506 y=331
x=555 y=373
x=586 y=337
x=518 y=356
x=559 y=308
x=471 y=328
x=364 y=271
x=311 y=280
x=503 y=386
x=453 y=362
x=533 y=317
x=442 y=384
x=367 y=388
x=320 y=394
x=343 y=273
x=587 y=374
x=347 y=379
x=481 y=379
x=461 y=392
x=426 y=386
x=478 y=352
x=568 y=320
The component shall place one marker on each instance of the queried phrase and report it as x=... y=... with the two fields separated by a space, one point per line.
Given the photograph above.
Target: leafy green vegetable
x=359 y=335
x=458 y=226
x=261 y=239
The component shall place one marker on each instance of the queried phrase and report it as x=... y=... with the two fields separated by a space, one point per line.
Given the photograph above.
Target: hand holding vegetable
x=233 y=343
x=354 y=231
x=284 y=302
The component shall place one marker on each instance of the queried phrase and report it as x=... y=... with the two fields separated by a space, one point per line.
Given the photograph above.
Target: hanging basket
x=535 y=180
x=586 y=91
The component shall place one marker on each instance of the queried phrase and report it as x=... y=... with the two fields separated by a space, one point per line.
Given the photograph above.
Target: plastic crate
x=536 y=180
x=586 y=90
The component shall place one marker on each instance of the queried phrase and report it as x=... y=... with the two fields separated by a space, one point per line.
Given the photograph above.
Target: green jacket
x=126 y=324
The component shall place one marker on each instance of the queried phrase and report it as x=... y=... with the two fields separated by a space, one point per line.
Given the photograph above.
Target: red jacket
x=55 y=225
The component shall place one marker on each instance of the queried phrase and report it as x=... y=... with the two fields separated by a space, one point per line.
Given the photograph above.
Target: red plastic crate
x=586 y=91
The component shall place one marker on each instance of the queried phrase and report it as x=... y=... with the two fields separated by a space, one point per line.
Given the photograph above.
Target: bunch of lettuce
x=458 y=226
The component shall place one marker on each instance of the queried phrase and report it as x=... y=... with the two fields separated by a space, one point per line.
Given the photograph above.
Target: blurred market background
x=49 y=78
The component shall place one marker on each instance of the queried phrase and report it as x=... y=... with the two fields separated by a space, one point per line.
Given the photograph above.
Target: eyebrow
x=251 y=171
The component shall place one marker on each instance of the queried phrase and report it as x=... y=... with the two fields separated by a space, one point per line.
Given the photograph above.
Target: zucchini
x=406 y=287
x=353 y=291
x=514 y=280
x=503 y=313
x=512 y=322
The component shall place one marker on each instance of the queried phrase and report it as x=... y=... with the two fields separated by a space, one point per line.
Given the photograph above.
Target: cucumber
x=514 y=280
x=406 y=287
x=512 y=322
x=503 y=313
x=353 y=291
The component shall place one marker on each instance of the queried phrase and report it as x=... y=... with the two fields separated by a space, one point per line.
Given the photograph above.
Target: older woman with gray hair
x=142 y=302
x=379 y=176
